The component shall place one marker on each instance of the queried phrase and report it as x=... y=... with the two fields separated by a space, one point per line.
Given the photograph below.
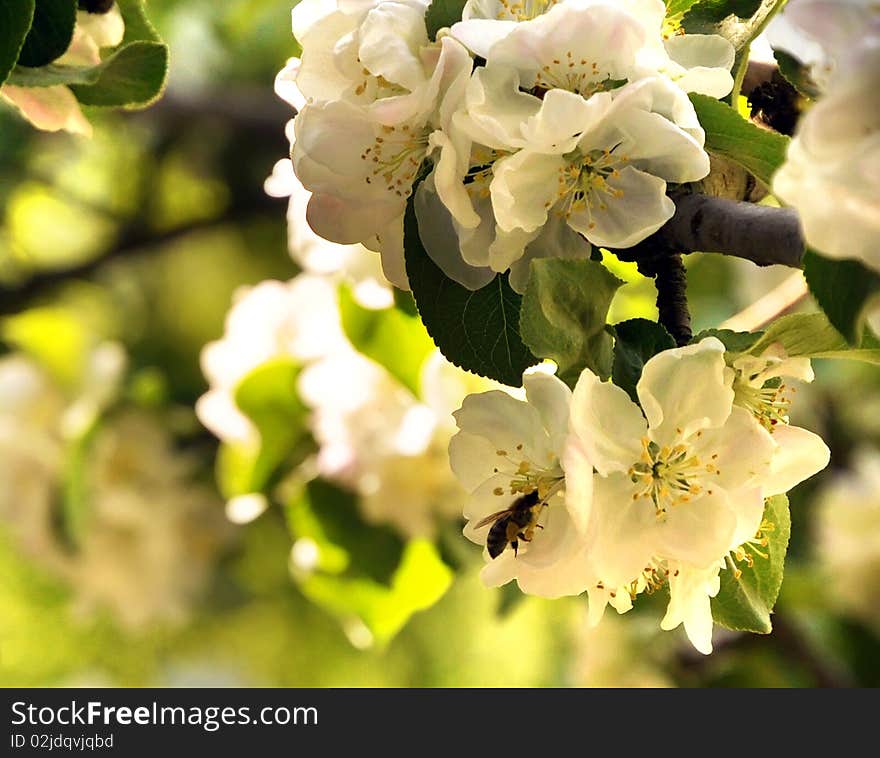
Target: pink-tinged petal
x=686 y=389
x=347 y=221
x=800 y=454
x=608 y=424
x=51 y=109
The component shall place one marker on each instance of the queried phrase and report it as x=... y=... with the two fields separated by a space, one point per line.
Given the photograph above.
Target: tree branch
x=670 y=278
x=760 y=233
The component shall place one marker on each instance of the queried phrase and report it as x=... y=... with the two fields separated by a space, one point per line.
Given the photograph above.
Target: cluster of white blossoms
x=374 y=436
x=832 y=171
x=144 y=544
x=56 y=108
x=539 y=128
x=625 y=496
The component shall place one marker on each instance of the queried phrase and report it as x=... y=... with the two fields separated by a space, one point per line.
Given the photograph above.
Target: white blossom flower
x=150 y=533
x=695 y=62
x=377 y=439
x=821 y=33
x=298 y=319
x=847 y=531
x=353 y=264
x=680 y=482
x=56 y=108
x=759 y=386
x=153 y=533
x=361 y=162
x=506 y=449
x=832 y=169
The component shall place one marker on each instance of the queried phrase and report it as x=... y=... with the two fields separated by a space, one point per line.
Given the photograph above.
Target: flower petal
x=698 y=532
x=622 y=533
x=800 y=454
x=608 y=424
x=552 y=398
x=686 y=389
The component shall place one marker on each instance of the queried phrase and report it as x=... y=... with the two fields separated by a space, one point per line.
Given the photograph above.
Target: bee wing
x=489 y=519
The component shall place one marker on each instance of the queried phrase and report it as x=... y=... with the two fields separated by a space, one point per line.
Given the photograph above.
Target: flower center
x=575 y=74
x=768 y=404
x=750 y=548
x=395 y=157
x=669 y=476
x=523 y=10
x=479 y=175
x=528 y=477
x=582 y=182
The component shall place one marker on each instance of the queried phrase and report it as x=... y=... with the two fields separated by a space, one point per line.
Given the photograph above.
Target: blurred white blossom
x=832 y=171
x=847 y=531
x=105 y=501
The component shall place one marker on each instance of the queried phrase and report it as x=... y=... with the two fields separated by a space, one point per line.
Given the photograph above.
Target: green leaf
x=50 y=33
x=476 y=330
x=363 y=574
x=15 y=20
x=729 y=135
x=796 y=74
x=442 y=13
x=738 y=21
x=636 y=341
x=745 y=602
x=268 y=397
x=137 y=25
x=134 y=75
x=811 y=335
x=329 y=516
x=564 y=312
x=841 y=288
x=677 y=7
x=389 y=336
x=735 y=342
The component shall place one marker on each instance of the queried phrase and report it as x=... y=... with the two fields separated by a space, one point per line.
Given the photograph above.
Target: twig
x=670 y=278
x=132 y=243
x=779 y=301
x=760 y=233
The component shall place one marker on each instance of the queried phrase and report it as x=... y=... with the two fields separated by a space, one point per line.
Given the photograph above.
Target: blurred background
x=305 y=549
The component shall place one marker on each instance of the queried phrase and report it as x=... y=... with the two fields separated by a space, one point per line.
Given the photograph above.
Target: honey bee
x=516 y=522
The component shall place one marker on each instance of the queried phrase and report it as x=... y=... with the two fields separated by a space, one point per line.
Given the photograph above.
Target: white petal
x=698 y=532
x=578 y=484
x=685 y=389
x=441 y=241
x=740 y=451
x=640 y=210
x=471 y=459
x=524 y=189
x=800 y=455
x=479 y=35
x=610 y=425
x=689 y=593
x=623 y=532
x=552 y=398
x=390 y=37
x=507 y=423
